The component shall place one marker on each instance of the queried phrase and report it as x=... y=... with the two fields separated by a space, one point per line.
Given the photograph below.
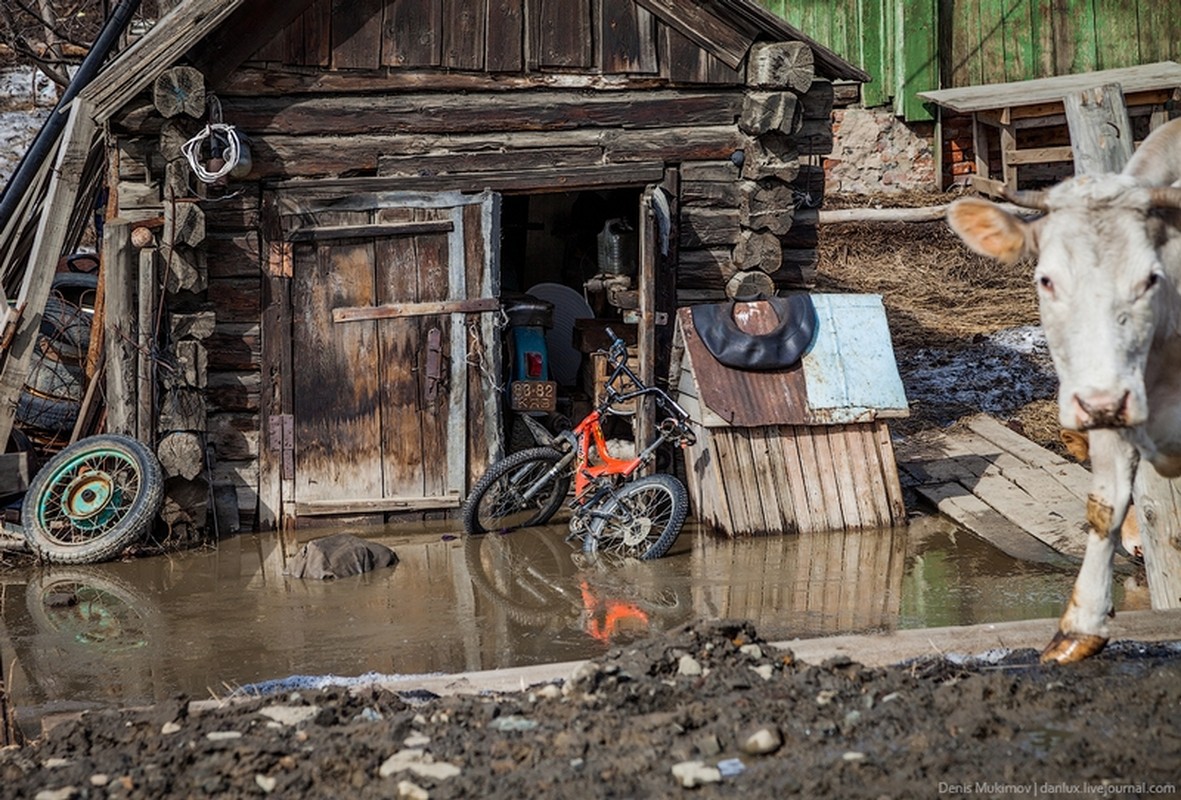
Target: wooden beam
x=404 y=113
x=541 y=180
x=397 y=310
x=49 y=244
x=374 y=505
x=333 y=232
x=145 y=425
x=118 y=276
x=698 y=23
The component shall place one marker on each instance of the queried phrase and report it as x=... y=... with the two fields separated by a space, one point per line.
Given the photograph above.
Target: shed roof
x=1144 y=77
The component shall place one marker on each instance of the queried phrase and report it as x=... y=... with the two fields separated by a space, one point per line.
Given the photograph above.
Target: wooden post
x=145 y=423
x=1100 y=135
x=119 y=332
x=645 y=422
x=1158 y=507
x=1100 y=132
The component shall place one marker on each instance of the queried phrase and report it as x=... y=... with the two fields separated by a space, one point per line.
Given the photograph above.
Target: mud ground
x=707 y=710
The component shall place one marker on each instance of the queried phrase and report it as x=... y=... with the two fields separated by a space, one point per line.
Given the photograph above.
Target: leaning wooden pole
x=9 y=734
x=1100 y=136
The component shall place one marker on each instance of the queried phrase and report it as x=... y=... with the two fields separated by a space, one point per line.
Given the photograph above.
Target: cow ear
x=991 y=231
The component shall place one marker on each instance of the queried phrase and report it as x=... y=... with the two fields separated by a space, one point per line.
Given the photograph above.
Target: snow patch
x=998 y=374
x=26 y=98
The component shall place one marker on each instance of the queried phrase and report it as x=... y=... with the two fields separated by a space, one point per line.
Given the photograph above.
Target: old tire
x=642 y=520
x=92 y=500
x=49 y=376
x=496 y=503
x=47 y=413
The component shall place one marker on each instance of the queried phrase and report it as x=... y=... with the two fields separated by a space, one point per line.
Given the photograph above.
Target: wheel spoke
x=642 y=520
x=107 y=484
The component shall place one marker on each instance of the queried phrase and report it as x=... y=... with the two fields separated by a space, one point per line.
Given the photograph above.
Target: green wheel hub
x=87 y=494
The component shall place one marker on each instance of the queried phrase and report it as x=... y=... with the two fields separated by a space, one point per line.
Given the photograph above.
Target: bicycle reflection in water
x=534 y=578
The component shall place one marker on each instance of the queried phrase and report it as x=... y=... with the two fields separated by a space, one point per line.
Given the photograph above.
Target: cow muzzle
x=1103 y=410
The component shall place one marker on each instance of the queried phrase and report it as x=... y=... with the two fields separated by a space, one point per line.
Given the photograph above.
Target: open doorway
x=578 y=253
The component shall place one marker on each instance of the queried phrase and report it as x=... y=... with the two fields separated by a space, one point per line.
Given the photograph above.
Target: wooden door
x=392 y=349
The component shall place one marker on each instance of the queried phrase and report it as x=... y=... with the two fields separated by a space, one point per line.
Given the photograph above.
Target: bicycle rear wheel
x=497 y=501
x=642 y=520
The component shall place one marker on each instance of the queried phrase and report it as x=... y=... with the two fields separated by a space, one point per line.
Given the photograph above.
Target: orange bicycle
x=614 y=509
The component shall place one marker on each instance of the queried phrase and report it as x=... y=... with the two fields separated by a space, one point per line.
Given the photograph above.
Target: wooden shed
x=316 y=333
x=801 y=449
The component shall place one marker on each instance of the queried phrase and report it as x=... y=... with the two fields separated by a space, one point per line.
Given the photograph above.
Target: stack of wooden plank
x=1024 y=499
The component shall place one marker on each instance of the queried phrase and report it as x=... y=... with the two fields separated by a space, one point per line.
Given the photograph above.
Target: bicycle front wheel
x=498 y=501
x=642 y=520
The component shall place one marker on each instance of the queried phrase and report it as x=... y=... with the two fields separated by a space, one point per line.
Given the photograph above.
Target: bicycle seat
x=779 y=348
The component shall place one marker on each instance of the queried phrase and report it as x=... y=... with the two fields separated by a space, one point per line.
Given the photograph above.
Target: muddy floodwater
x=211 y=622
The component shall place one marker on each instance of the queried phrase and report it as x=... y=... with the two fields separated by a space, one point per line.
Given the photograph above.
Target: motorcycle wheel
x=92 y=500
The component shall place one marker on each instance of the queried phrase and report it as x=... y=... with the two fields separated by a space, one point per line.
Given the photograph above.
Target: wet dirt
x=710 y=706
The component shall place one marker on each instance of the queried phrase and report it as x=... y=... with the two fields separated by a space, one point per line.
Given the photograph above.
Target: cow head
x=1105 y=290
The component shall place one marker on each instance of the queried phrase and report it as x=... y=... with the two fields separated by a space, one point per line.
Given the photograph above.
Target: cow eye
x=1046 y=283
x=1152 y=280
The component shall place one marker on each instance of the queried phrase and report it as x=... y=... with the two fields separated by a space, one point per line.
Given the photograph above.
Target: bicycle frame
x=589 y=432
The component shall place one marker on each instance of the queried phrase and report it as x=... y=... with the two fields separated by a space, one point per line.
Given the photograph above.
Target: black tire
x=67 y=328
x=92 y=500
x=52 y=377
x=495 y=503
x=47 y=413
x=642 y=520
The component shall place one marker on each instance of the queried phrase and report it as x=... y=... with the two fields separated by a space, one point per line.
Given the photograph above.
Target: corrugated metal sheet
x=849 y=373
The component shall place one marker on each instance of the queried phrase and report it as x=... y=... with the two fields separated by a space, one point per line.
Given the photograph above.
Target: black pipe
x=30 y=163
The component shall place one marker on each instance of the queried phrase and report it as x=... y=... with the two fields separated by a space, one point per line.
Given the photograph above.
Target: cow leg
x=1082 y=631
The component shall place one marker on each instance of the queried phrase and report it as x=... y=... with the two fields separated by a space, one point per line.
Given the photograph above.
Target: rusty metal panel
x=740 y=397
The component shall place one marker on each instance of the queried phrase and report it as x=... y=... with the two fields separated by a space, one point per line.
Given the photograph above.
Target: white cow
x=1108 y=280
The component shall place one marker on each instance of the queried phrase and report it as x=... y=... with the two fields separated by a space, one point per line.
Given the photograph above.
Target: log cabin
x=317 y=334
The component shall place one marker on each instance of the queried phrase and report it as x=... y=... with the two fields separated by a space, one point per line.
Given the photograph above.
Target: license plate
x=534 y=395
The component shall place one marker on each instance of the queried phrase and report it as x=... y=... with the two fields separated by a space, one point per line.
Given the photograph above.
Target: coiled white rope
x=232 y=152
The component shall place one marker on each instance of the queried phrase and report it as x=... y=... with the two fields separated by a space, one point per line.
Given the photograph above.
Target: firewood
x=780 y=65
x=180 y=90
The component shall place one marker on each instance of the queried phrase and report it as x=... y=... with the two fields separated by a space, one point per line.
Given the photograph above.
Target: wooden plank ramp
x=1027 y=501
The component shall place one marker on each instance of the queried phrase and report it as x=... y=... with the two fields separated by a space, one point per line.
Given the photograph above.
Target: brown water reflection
x=208 y=622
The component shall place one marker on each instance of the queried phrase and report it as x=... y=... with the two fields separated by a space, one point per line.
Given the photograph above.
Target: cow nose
x=1101 y=410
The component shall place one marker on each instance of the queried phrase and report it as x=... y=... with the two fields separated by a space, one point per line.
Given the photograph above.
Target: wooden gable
x=608 y=37
x=652 y=39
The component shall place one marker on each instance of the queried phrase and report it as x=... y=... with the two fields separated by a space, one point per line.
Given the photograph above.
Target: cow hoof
x=1067 y=648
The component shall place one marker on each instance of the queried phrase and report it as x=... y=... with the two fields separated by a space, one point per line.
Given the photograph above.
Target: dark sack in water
x=339 y=556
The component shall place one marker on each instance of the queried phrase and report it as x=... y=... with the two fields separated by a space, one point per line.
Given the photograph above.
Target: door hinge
x=281 y=440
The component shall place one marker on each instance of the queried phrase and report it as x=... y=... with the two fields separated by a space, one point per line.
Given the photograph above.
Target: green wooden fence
x=909 y=46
